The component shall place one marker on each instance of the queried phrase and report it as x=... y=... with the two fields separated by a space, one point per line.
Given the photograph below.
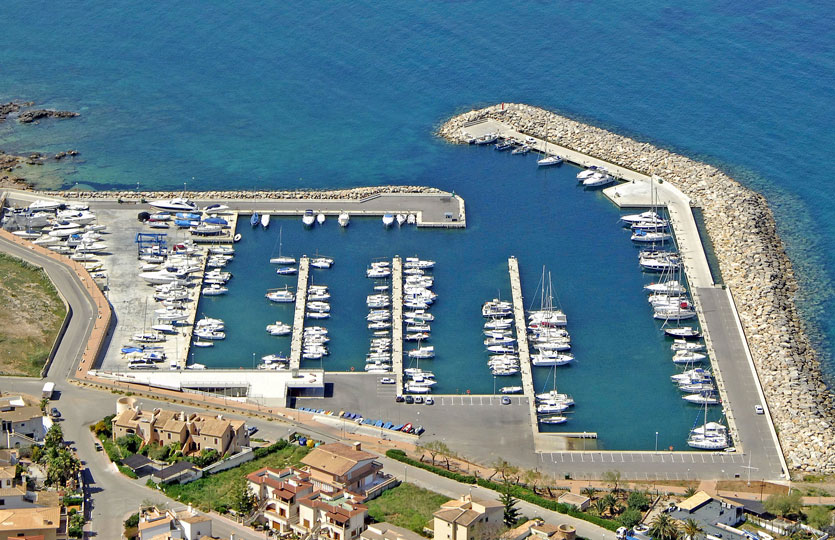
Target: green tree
x=61 y=467
x=436 y=448
x=610 y=501
x=600 y=507
x=506 y=470
x=54 y=437
x=44 y=404
x=690 y=491
x=630 y=518
x=818 y=517
x=613 y=478
x=784 y=505
x=691 y=529
x=533 y=479
x=589 y=492
x=243 y=500
x=129 y=444
x=664 y=527
x=638 y=500
x=511 y=513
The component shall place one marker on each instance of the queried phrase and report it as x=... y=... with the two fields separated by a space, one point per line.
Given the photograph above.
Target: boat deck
x=397 y=321
x=298 y=314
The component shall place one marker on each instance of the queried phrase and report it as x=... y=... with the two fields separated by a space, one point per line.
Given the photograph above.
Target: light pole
x=656 y=442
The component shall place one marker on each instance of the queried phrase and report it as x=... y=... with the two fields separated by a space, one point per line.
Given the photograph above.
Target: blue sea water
x=277 y=95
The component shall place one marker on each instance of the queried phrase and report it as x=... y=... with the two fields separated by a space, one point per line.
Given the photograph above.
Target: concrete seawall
x=751 y=257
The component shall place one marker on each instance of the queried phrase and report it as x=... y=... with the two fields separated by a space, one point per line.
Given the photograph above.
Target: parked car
x=430 y=401
x=387 y=380
x=759 y=409
x=98 y=446
x=407 y=428
x=418 y=399
x=410 y=400
x=399 y=399
x=505 y=400
x=54 y=413
x=251 y=430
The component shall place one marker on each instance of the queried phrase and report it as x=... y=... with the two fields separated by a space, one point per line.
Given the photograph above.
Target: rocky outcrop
x=753 y=263
x=27 y=117
x=12 y=107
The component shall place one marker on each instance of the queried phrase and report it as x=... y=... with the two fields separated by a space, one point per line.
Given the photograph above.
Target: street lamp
x=656 y=442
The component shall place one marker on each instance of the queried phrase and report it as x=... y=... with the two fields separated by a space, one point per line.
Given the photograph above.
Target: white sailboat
x=281 y=259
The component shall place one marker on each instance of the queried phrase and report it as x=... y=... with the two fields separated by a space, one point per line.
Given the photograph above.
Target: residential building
x=536 y=529
x=708 y=511
x=387 y=531
x=338 y=467
x=466 y=518
x=22 y=421
x=278 y=493
x=330 y=516
x=192 y=432
x=31 y=514
x=186 y=524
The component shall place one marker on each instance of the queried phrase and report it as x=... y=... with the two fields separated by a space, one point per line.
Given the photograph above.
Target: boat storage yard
x=478 y=426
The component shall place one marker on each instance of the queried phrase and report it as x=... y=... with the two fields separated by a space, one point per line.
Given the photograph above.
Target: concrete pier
x=182 y=341
x=397 y=321
x=298 y=315
x=522 y=339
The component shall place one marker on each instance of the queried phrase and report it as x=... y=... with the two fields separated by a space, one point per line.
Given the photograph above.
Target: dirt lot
x=31 y=315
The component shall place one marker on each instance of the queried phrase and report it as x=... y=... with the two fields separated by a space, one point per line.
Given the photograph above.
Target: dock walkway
x=522 y=339
x=298 y=315
x=397 y=321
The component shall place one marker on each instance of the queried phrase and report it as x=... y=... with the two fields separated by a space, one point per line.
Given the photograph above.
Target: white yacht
x=686 y=357
x=545 y=360
x=214 y=290
x=411 y=219
x=279 y=329
x=643 y=216
x=401 y=219
x=422 y=352
x=321 y=262
x=684 y=345
x=320 y=218
x=666 y=287
x=598 y=180
x=549 y=160
x=45 y=204
x=388 y=219
x=265 y=220
x=344 y=219
x=308 y=218
x=702 y=398
x=281 y=296
x=641 y=235
x=177 y=204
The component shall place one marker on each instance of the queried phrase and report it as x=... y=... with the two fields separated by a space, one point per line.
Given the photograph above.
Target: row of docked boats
x=515 y=146
x=311 y=218
x=671 y=303
x=418 y=298
x=379 y=357
x=390 y=219
x=595 y=177
x=68 y=229
x=500 y=339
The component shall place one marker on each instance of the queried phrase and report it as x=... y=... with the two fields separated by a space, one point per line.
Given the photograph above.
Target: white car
x=387 y=380
x=759 y=409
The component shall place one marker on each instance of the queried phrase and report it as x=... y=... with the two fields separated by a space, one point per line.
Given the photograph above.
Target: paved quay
x=298 y=314
x=433 y=210
x=397 y=322
x=522 y=340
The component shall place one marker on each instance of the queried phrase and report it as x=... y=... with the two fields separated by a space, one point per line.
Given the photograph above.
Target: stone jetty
x=357 y=193
x=752 y=260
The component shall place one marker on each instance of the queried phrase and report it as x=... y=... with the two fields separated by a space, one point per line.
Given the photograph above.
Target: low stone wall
x=752 y=260
x=357 y=193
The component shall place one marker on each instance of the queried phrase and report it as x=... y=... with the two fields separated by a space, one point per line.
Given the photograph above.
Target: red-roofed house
x=330 y=516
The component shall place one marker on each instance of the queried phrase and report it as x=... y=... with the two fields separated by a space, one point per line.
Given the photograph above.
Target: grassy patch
x=406 y=506
x=214 y=491
x=30 y=319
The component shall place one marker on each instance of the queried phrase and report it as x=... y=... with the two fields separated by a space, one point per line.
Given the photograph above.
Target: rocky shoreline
x=308 y=194
x=27 y=117
x=753 y=263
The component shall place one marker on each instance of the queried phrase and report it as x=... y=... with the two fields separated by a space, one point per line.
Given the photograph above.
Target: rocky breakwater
x=753 y=263
x=358 y=193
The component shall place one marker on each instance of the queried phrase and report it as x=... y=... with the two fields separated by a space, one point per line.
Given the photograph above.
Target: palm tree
x=691 y=529
x=664 y=527
x=610 y=502
x=600 y=506
x=589 y=492
x=690 y=491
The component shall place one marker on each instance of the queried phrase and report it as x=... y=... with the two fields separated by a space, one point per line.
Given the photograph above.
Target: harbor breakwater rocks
x=355 y=194
x=753 y=263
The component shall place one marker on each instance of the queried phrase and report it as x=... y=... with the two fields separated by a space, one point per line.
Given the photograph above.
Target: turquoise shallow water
x=253 y=94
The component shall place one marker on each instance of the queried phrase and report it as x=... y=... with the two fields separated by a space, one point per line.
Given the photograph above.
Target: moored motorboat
x=344 y=219
x=177 y=204
x=309 y=218
x=388 y=219
x=320 y=218
x=265 y=220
